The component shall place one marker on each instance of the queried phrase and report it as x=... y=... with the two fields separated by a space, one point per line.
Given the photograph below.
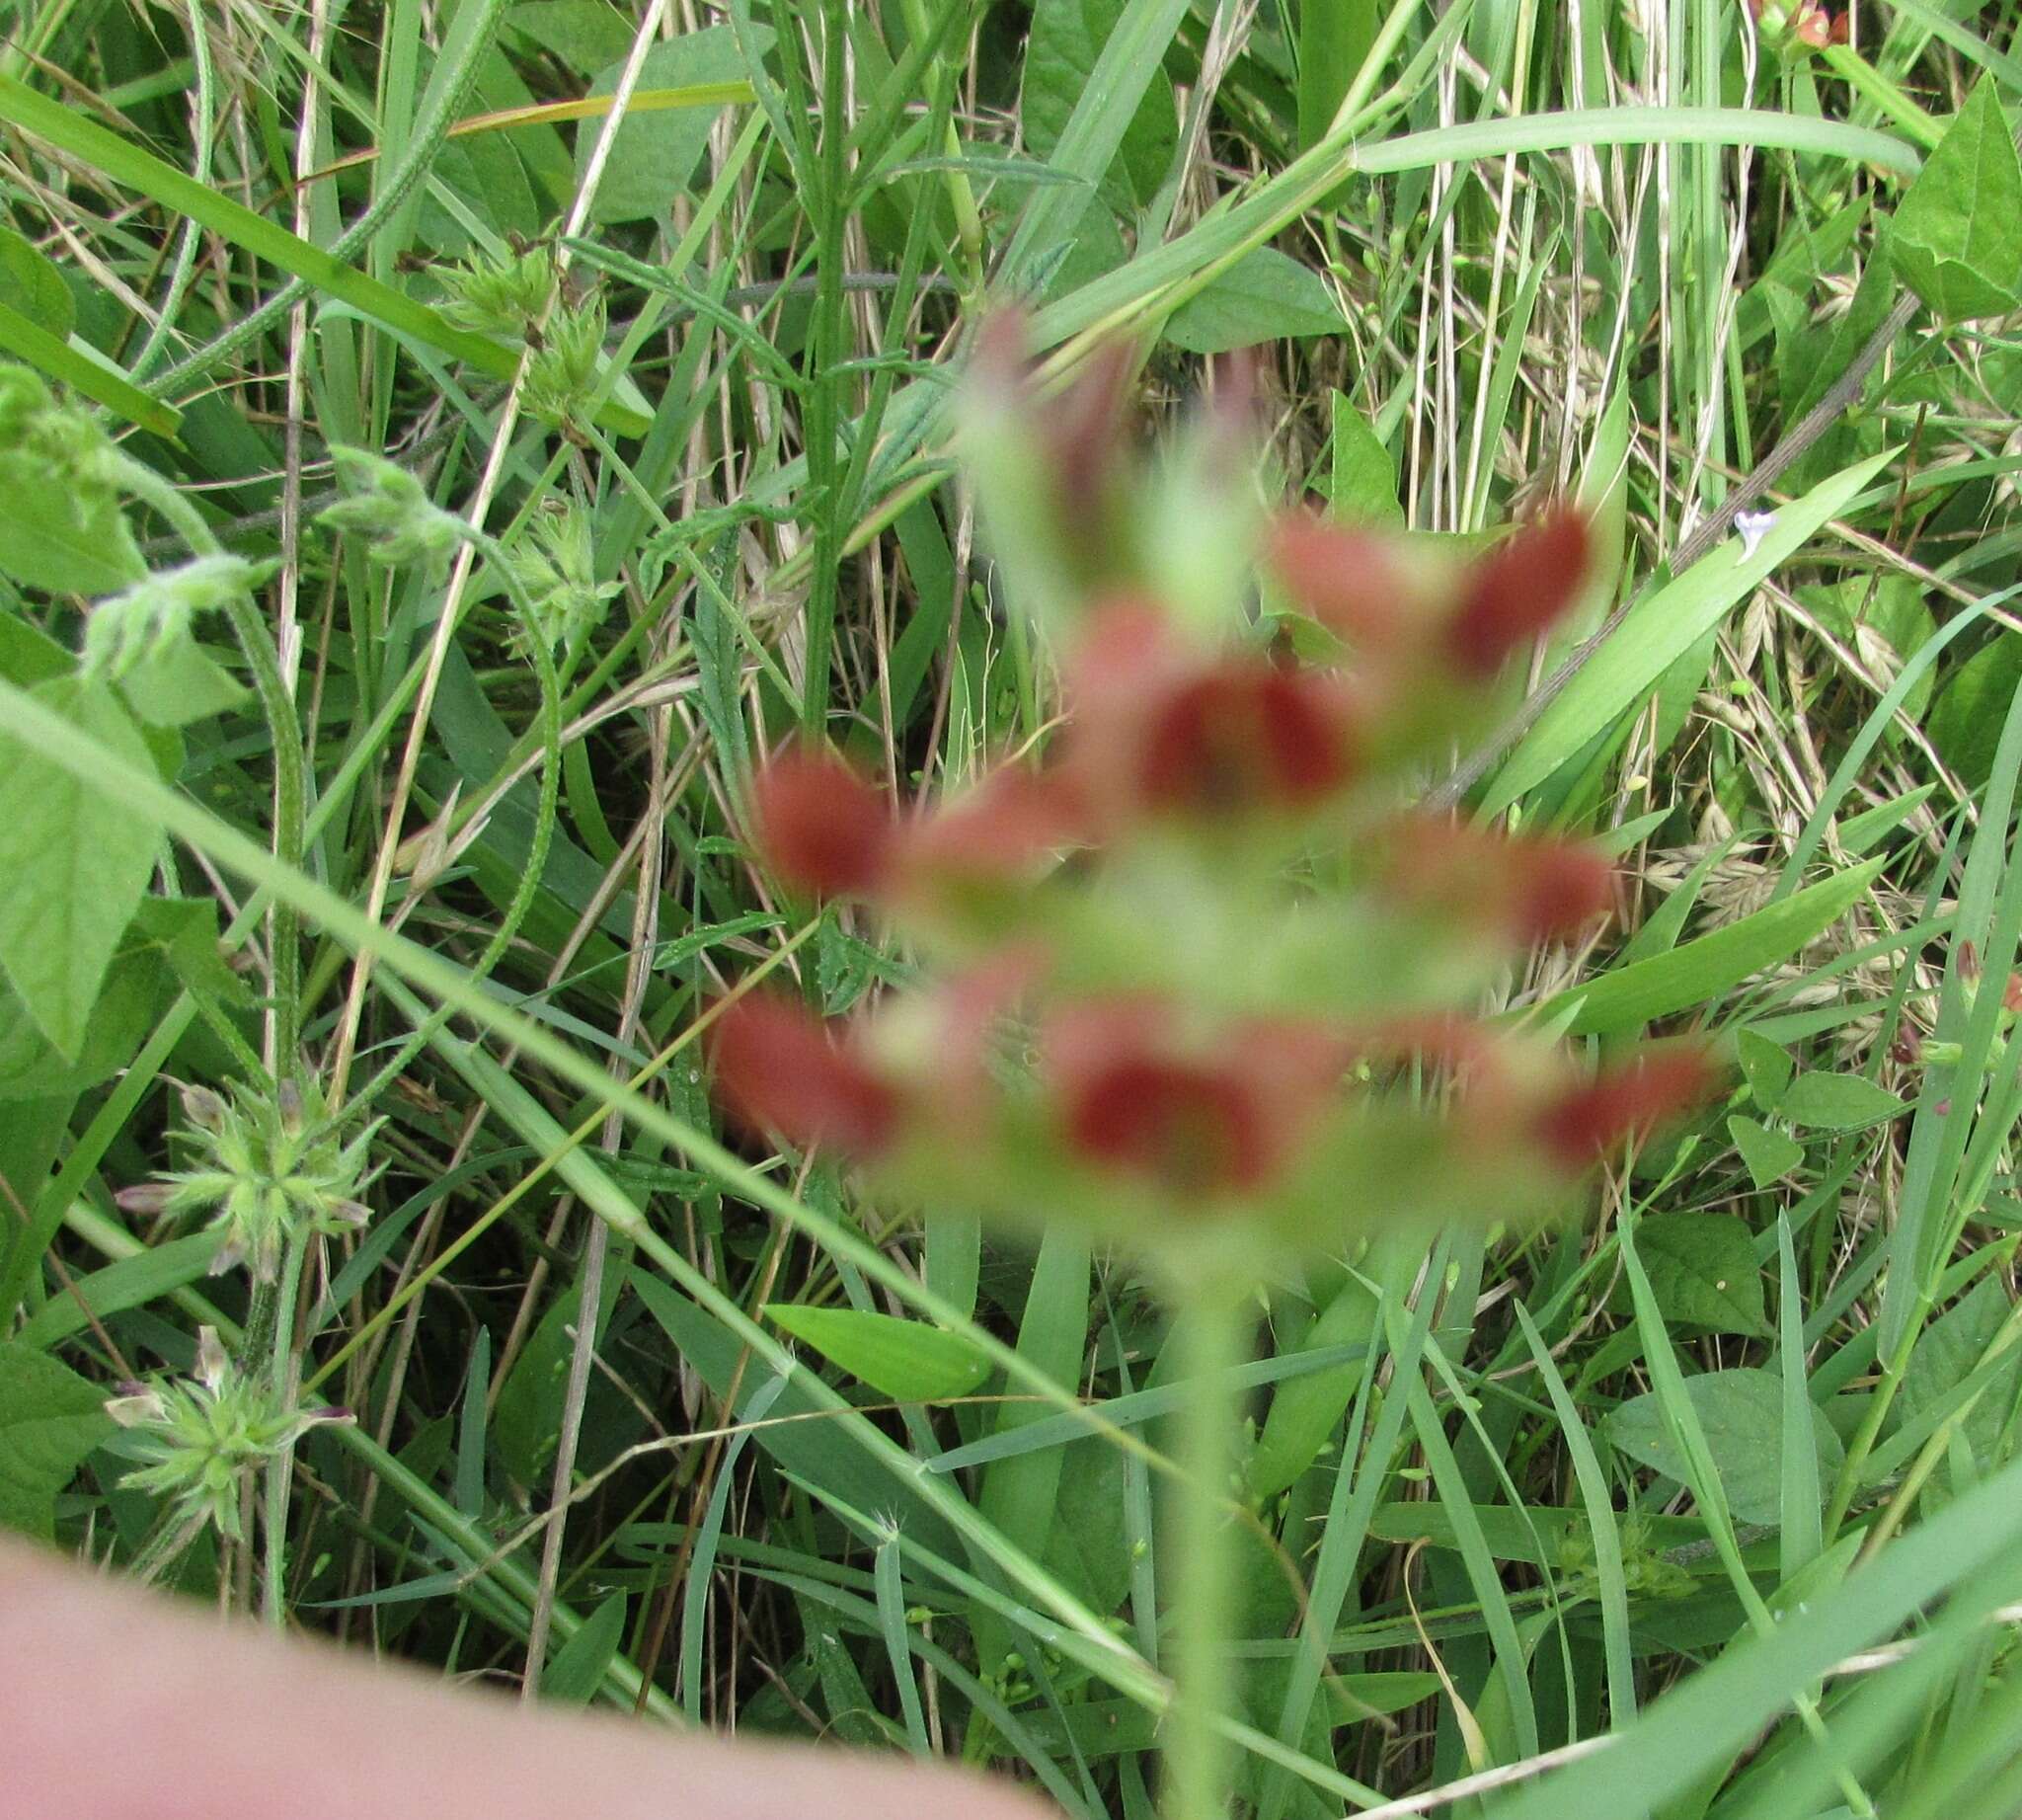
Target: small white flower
x=1753 y=528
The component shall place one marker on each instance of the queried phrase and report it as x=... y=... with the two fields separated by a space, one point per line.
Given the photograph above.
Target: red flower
x=1159 y=726
x=1350 y=581
x=777 y=1068
x=1515 y=591
x=821 y=828
x=1624 y=1102
x=998 y=831
x=1245 y=736
x=1537 y=889
x=1134 y=1100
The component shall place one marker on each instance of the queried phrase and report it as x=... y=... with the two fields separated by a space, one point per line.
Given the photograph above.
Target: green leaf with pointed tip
x=1767 y=1155
x=1837 y=1102
x=1703 y=1269
x=1742 y=1414
x=62 y=539
x=179 y=683
x=1953 y=237
x=1765 y=1066
x=1700 y=970
x=577 y=1669
x=1361 y=479
x=905 y=1360
x=30 y=285
x=1265 y=296
x=50 y=1420
x=75 y=863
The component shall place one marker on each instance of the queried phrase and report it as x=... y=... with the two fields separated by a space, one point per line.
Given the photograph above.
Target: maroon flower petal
x=821 y=828
x=997 y=832
x=1347 y=580
x=1132 y=1099
x=1515 y=591
x=1624 y=1102
x=1561 y=886
x=1189 y=1128
x=1536 y=888
x=777 y=1068
x=1246 y=737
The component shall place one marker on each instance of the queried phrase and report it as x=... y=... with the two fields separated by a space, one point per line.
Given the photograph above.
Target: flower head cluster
x=1209 y=959
x=556 y=563
x=1800 y=27
x=199 y=1438
x=271 y=1168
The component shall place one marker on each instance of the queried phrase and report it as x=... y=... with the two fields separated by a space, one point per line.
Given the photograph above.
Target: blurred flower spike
x=1205 y=980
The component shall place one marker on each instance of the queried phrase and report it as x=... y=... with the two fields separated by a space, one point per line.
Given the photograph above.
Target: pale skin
x=117 y=1703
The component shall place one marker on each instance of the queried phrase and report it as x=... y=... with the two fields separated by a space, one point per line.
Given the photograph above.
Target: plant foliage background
x=653 y=310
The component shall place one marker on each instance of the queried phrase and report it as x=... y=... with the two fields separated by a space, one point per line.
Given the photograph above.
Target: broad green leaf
x=1965 y=722
x=75 y=863
x=1703 y=1269
x=1060 y=52
x=32 y=286
x=1948 y=1350
x=179 y=683
x=1821 y=1101
x=587 y=35
x=1700 y=970
x=1089 y=1551
x=50 y=1420
x=577 y=1670
x=905 y=1360
x=185 y=930
x=60 y=537
x=1334 y=37
x=1767 y=1155
x=654 y=156
x=1265 y=296
x=1742 y=1414
x=29 y=656
x=1660 y=629
x=1765 y=1066
x=128 y=1006
x=1954 y=236
x=1361 y=479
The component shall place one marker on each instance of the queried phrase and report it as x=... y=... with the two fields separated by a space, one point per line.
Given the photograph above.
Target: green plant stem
x=281 y=1465
x=529 y=881
x=830 y=328
x=1211 y=1334
x=284 y=731
x=422 y=150
x=1862 y=1444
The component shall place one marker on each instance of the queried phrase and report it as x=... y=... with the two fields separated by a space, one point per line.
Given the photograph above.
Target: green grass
x=1503 y=1507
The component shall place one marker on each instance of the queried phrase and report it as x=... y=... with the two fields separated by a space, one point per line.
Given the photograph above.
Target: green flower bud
x=388 y=506
x=126 y=629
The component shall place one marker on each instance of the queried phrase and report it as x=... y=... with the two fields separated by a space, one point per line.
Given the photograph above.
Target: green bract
x=199 y=1438
x=273 y=1170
